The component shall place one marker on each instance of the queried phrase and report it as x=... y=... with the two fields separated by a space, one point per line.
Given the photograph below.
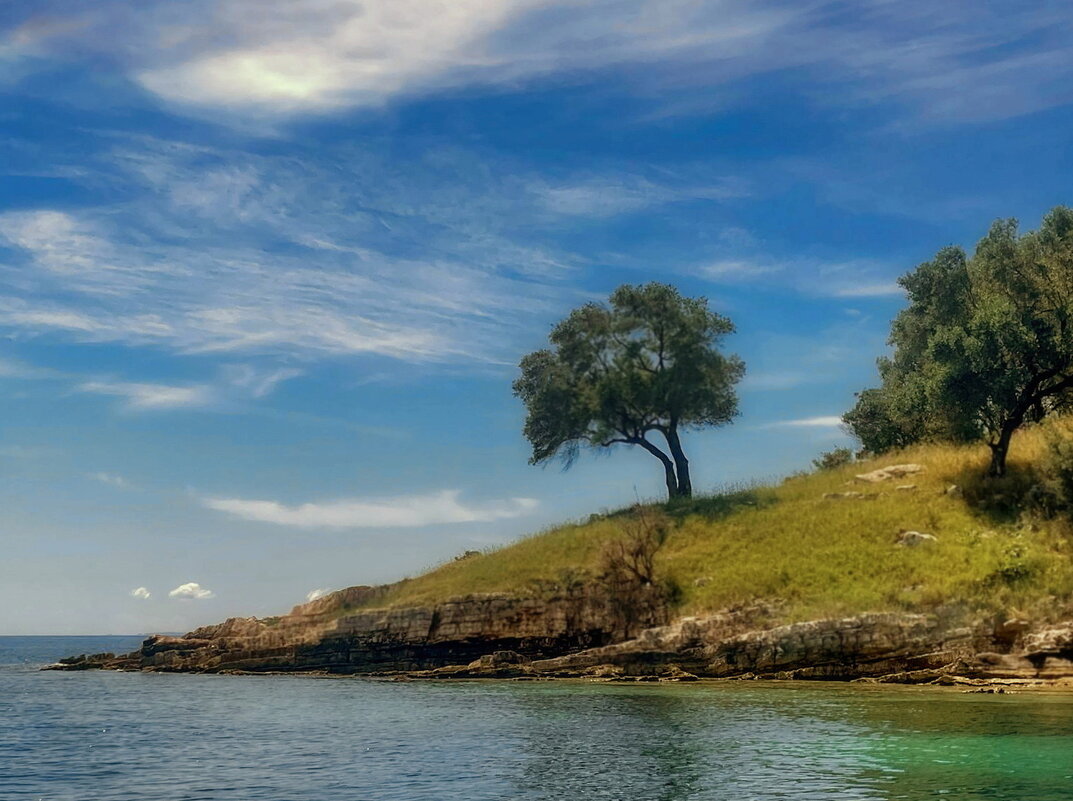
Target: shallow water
x=137 y=737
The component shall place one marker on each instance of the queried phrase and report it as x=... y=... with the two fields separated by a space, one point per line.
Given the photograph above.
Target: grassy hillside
x=822 y=557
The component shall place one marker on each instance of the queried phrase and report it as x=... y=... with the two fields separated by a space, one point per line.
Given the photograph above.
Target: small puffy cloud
x=191 y=590
x=320 y=592
x=150 y=396
x=404 y=511
x=112 y=480
x=141 y=593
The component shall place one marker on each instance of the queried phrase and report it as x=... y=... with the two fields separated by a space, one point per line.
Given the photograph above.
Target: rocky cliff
x=580 y=633
x=340 y=634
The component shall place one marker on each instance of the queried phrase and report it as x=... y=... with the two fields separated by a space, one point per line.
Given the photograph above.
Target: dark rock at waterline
x=583 y=633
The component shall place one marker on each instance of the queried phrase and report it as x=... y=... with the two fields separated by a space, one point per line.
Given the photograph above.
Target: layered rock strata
x=580 y=634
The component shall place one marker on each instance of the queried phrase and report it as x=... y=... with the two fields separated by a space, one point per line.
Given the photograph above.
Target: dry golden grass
x=822 y=557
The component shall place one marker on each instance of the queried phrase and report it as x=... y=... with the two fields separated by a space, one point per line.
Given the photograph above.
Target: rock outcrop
x=846 y=648
x=339 y=634
x=579 y=633
x=889 y=472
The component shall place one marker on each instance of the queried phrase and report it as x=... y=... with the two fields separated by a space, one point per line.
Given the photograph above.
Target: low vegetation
x=1003 y=544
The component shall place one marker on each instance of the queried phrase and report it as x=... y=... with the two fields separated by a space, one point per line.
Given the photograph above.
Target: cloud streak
x=225 y=252
x=111 y=479
x=267 y=58
x=823 y=421
x=150 y=396
x=400 y=512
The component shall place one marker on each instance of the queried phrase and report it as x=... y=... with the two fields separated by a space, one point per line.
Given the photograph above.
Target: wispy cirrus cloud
x=304 y=258
x=405 y=511
x=822 y=421
x=609 y=197
x=111 y=479
x=857 y=278
x=257 y=382
x=150 y=396
x=735 y=270
x=869 y=290
x=948 y=61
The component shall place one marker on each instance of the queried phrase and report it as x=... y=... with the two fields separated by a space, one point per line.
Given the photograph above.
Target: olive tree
x=985 y=344
x=640 y=369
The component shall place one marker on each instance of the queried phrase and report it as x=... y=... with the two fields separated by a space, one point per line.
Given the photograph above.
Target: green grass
x=818 y=557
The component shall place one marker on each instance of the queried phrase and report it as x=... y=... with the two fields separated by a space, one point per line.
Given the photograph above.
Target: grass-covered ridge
x=822 y=557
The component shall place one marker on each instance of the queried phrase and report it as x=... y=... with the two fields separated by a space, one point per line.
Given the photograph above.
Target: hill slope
x=816 y=556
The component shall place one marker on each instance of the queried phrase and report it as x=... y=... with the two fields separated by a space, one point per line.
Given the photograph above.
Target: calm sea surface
x=134 y=737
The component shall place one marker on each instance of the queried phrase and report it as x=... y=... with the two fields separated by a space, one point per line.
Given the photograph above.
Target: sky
x=267 y=267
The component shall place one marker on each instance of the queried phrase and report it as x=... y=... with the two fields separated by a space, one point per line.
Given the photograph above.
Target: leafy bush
x=1014 y=566
x=829 y=460
x=1055 y=469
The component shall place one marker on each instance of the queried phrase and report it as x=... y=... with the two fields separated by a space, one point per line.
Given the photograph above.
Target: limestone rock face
x=330 y=635
x=580 y=633
x=1051 y=641
x=867 y=645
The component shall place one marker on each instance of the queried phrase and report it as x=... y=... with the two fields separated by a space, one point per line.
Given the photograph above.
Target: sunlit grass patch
x=813 y=556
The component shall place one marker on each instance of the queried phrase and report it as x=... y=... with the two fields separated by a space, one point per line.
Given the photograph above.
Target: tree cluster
x=984 y=346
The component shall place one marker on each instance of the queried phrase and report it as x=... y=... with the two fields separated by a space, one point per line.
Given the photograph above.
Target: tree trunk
x=999 y=449
x=681 y=463
x=673 y=489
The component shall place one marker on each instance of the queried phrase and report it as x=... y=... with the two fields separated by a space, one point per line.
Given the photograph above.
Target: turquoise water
x=138 y=737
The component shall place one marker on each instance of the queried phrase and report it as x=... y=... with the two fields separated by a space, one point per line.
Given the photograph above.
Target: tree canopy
x=985 y=344
x=647 y=363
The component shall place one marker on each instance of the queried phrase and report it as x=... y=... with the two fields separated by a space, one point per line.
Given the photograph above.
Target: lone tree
x=985 y=345
x=647 y=363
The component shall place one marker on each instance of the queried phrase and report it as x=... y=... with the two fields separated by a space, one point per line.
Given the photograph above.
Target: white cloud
x=141 y=593
x=735 y=270
x=609 y=197
x=258 y=382
x=825 y=421
x=870 y=290
x=348 y=278
x=150 y=396
x=953 y=61
x=191 y=590
x=11 y=368
x=282 y=55
x=776 y=379
x=110 y=479
x=404 y=511
x=320 y=592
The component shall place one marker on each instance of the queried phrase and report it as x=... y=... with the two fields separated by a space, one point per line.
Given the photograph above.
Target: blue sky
x=267 y=266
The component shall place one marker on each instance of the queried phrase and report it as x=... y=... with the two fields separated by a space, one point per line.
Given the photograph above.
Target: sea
x=104 y=736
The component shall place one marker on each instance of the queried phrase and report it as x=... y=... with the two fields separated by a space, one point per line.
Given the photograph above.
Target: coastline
x=486 y=637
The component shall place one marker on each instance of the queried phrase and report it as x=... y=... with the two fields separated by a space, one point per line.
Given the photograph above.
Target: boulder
x=889 y=472
x=913 y=539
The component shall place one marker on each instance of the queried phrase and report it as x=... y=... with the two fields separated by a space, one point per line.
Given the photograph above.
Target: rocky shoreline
x=581 y=634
